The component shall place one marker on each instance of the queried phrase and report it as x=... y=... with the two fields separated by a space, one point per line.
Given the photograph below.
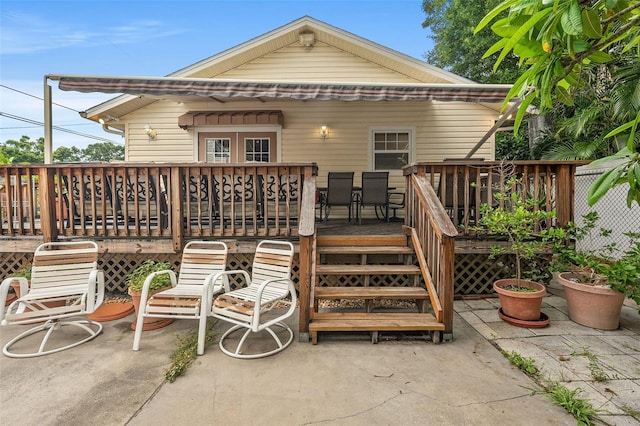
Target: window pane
x=391 y=150
x=391 y=161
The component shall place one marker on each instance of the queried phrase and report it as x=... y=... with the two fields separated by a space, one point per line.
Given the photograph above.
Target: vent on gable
x=307 y=39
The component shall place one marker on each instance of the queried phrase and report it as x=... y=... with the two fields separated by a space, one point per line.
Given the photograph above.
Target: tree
x=32 y=152
x=562 y=43
x=23 y=151
x=67 y=155
x=106 y=151
x=456 y=49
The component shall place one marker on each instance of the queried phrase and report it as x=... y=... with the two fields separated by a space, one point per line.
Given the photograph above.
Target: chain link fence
x=612 y=210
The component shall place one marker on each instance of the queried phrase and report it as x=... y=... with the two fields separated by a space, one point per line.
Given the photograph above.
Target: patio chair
x=190 y=295
x=396 y=202
x=339 y=192
x=374 y=193
x=269 y=287
x=65 y=282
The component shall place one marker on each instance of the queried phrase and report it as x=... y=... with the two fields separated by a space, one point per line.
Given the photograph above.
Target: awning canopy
x=159 y=86
x=221 y=118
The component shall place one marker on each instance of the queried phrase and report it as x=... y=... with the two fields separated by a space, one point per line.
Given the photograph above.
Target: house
x=235 y=147
x=306 y=91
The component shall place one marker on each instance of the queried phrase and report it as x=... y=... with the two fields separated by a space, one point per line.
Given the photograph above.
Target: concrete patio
x=339 y=381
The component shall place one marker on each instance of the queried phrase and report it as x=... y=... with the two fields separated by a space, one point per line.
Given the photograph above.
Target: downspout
x=48 y=124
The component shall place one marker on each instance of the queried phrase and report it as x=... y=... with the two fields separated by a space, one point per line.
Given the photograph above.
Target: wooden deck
x=147 y=209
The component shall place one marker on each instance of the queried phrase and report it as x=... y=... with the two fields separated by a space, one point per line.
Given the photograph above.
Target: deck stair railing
x=434 y=233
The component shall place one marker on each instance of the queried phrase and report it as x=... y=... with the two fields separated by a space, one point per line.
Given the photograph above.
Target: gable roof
x=213 y=67
x=289 y=34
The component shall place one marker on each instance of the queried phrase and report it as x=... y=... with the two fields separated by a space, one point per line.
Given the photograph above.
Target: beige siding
x=320 y=63
x=172 y=144
x=442 y=130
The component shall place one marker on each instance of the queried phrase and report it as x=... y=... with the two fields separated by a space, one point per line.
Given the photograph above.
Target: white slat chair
x=65 y=282
x=190 y=296
x=270 y=286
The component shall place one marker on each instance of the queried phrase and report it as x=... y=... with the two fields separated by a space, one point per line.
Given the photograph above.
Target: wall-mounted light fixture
x=324 y=132
x=108 y=118
x=151 y=132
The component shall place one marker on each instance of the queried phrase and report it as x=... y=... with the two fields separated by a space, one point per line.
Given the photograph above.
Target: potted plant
x=595 y=281
x=520 y=221
x=23 y=272
x=135 y=281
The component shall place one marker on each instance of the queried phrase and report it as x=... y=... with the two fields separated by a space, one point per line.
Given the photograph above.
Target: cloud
x=25 y=34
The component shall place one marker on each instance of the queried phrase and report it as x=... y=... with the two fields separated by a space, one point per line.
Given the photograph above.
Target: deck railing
x=436 y=234
x=464 y=185
x=174 y=201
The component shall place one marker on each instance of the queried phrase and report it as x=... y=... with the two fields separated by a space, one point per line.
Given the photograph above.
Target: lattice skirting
x=117 y=266
x=476 y=272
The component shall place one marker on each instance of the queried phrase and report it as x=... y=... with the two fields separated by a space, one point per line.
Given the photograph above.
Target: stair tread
x=370 y=293
x=365 y=250
x=362 y=240
x=375 y=322
x=367 y=269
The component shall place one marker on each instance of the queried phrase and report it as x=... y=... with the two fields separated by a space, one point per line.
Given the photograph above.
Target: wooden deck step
x=362 y=240
x=365 y=250
x=360 y=321
x=371 y=293
x=367 y=270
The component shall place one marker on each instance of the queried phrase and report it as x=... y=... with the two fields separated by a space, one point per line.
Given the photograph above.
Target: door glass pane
x=257 y=150
x=218 y=150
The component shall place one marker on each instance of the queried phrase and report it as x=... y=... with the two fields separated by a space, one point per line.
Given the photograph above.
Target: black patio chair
x=339 y=192
x=374 y=194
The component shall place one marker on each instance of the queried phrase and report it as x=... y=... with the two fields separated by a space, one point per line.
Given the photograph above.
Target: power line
x=62 y=129
x=34 y=127
x=37 y=97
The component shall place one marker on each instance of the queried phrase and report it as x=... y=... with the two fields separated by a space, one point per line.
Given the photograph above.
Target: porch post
x=565 y=187
x=176 y=207
x=47 y=203
x=304 y=285
x=48 y=132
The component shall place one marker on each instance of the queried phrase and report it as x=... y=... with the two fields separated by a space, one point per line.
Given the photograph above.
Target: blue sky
x=155 y=38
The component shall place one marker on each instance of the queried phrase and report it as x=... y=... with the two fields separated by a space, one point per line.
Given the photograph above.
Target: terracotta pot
x=589 y=305
x=521 y=305
x=148 y=323
x=16 y=288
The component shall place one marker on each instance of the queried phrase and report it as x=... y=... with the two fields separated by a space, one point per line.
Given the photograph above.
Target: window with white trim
x=257 y=150
x=391 y=149
x=218 y=150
